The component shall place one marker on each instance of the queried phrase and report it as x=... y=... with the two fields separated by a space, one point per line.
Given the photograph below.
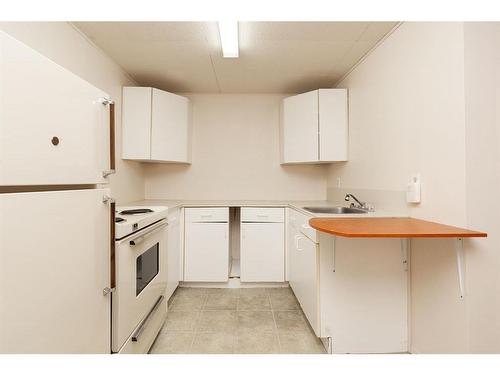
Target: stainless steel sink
x=335 y=210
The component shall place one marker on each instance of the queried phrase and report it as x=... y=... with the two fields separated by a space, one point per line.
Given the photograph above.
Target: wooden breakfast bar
x=392 y=227
x=404 y=228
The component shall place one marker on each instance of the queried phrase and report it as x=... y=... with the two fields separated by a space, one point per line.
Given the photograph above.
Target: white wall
x=407 y=115
x=235 y=155
x=66 y=46
x=406 y=104
x=482 y=93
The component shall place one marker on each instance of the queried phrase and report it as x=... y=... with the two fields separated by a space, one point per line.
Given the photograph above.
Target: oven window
x=147 y=267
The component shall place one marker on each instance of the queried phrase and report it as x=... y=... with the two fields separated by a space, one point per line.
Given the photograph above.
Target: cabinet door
x=170 y=127
x=53 y=127
x=174 y=250
x=54 y=265
x=293 y=236
x=333 y=125
x=136 y=123
x=306 y=279
x=206 y=252
x=299 y=133
x=262 y=252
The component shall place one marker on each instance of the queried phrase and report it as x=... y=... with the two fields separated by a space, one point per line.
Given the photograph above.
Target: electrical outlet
x=339 y=182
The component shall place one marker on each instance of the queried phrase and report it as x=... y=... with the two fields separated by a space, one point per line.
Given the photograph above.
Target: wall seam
x=101 y=51
x=365 y=56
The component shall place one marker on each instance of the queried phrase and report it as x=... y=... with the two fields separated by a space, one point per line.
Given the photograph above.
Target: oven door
x=140 y=279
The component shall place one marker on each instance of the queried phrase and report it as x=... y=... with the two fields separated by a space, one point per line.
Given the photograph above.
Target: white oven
x=138 y=302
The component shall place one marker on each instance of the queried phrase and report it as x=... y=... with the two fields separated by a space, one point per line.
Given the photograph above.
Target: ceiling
x=275 y=57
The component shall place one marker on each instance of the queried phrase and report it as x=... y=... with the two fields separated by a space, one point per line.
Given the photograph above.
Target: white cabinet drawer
x=148 y=335
x=301 y=222
x=263 y=215
x=207 y=214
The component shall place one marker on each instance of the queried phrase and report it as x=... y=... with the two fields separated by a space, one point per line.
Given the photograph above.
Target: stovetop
x=130 y=219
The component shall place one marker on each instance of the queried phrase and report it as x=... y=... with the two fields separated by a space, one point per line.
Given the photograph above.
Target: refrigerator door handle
x=112 y=213
x=112 y=162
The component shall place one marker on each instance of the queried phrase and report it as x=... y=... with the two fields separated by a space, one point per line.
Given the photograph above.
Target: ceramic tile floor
x=239 y=321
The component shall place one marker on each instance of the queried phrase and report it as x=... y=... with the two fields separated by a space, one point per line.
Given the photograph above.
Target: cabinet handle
x=137 y=333
x=112 y=161
x=137 y=239
x=297 y=242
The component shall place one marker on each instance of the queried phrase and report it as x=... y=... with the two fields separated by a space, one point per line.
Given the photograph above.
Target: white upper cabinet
x=55 y=128
x=156 y=126
x=314 y=127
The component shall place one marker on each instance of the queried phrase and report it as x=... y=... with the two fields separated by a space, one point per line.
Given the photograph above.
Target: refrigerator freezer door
x=54 y=126
x=54 y=266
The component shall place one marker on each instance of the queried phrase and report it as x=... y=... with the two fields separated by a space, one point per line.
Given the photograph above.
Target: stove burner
x=119 y=219
x=136 y=211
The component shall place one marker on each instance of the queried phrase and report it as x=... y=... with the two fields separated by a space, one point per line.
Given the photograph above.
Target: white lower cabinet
x=206 y=252
x=262 y=245
x=262 y=252
x=304 y=276
x=353 y=291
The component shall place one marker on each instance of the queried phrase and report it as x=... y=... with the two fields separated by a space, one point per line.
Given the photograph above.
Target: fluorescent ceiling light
x=228 y=31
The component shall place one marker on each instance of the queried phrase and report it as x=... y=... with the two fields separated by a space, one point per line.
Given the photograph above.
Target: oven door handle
x=141 y=236
x=137 y=333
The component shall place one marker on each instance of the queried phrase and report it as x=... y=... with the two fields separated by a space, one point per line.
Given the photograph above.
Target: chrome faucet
x=361 y=205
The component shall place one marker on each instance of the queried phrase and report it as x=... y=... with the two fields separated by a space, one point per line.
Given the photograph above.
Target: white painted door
x=206 y=252
x=54 y=265
x=53 y=127
x=333 y=125
x=174 y=250
x=300 y=128
x=169 y=127
x=306 y=279
x=262 y=254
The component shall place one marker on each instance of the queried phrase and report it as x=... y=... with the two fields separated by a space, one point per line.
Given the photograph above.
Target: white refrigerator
x=56 y=217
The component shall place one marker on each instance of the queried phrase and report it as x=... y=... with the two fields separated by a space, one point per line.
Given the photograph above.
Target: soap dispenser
x=413 y=189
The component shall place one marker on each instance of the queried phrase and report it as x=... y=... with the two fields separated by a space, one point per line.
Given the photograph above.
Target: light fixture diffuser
x=228 y=32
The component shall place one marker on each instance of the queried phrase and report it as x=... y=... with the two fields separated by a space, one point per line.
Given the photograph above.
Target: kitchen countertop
x=298 y=205
x=388 y=228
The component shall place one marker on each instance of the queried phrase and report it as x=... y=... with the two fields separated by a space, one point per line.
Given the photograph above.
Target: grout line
x=276 y=327
x=196 y=329
x=197 y=321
